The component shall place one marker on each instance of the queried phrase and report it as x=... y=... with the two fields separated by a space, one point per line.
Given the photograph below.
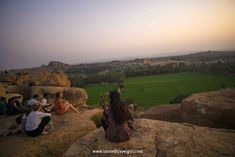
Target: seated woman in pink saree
x=62 y=106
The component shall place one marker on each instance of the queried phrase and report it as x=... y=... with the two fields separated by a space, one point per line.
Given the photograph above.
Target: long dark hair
x=58 y=95
x=118 y=110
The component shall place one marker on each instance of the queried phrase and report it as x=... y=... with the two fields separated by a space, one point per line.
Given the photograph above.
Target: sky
x=34 y=32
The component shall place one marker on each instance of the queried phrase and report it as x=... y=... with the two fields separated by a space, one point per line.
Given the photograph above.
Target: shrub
x=178 y=99
x=129 y=101
x=96 y=118
x=223 y=86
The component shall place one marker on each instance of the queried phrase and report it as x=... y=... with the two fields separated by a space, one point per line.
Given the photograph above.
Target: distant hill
x=52 y=66
x=57 y=66
x=208 y=56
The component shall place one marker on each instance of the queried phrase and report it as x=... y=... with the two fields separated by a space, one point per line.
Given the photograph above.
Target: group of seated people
x=117 y=121
x=37 y=121
x=35 y=112
x=11 y=107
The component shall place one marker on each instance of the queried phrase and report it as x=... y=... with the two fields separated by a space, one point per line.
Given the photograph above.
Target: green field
x=153 y=90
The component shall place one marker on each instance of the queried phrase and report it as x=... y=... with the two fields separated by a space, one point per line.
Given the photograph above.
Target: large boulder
x=2 y=91
x=28 y=91
x=212 y=109
x=68 y=128
x=76 y=96
x=37 y=78
x=57 y=79
x=13 y=89
x=40 y=90
x=169 y=112
x=20 y=97
x=24 y=79
x=8 y=78
x=153 y=138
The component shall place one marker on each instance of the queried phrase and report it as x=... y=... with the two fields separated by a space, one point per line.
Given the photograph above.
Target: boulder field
x=211 y=109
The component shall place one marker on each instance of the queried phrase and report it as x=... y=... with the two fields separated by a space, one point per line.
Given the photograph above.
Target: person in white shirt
x=33 y=100
x=46 y=106
x=44 y=102
x=37 y=122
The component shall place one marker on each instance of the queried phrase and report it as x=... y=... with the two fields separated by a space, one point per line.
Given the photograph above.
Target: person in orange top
x=62 y=106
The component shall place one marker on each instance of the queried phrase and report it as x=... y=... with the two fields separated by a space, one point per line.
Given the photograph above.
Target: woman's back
x=117 y=132
x=117 y=122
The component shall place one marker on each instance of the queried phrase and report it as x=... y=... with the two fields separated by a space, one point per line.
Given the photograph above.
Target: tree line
x=120 y=75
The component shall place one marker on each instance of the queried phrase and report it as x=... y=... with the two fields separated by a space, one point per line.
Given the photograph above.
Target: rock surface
x=27 y=92
x=59 y=79
x=13 y=89
x=169 y=112
x=57 y=66
x=76 y=96
x=160 y=139
x=37 y=78
x=8 y=96
x=212 y=109
x=2 y=91
x=68 y=128
x=8 y=78
x=40 y=90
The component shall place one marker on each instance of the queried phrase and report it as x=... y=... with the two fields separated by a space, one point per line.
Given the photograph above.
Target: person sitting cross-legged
x=117 y=120
x=37 y=122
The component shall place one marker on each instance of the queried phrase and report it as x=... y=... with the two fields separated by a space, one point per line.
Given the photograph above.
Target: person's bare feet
x=45 y=133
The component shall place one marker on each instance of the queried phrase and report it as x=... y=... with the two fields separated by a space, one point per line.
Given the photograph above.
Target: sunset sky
x=34 y=32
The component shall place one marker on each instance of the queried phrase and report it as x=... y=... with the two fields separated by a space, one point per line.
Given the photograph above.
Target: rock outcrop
x=38 y=82
x=59 y=79
x=20 y=97
x=40 y=90
x=13 y=89
x=76 y=96
x=68 y=128
x=57 y=66
x=169 y=112
x=212 y=109
x=27 y=92
x=37 y=78
x=2 y=91
x=8 y=78
x=159 y=139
